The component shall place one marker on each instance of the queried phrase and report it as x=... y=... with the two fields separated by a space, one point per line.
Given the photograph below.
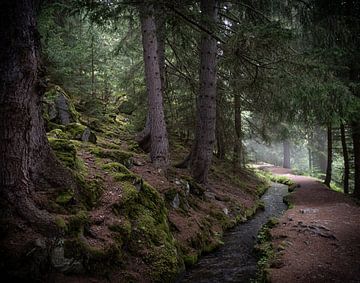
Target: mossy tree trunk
x=159 y=146
x=27 y=162
x=202 y=150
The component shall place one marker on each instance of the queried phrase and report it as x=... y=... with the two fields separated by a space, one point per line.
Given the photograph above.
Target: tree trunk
x=355 y=127
x=238 y=132
x=286 y=160
x=220 y=135
x=319 y=152
x=144 y=137
x=346 y=159
x=202 y=150
x=329 y=157
x=92 y=68
x=27 y=162
x=309 y=159
x=159 y=152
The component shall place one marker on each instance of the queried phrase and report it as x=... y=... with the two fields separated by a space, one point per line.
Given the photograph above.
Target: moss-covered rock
x=127 y=108
x=59 y=107
x=119 y=156
x=57 y=134
x=150 y=229
x=90 y=191
x=115 y=167
x=75 y=130
x=65 y=151
x=97 y=261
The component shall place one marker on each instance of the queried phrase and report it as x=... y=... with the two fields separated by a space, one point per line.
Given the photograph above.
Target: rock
x=88 y=136
x=62 y=107
x=58 y=107
x=63 y=264
x=176 y=201
x=309 y=210
x=127 y=108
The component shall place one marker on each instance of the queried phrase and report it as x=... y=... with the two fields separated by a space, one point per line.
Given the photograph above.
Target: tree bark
x=27 y=162
x=286 y=160
x=220 y=135
x=329 y=157
x=355 y=127
x=238 y=132
x=159 y=152
x=346 y=159
x=202 y=149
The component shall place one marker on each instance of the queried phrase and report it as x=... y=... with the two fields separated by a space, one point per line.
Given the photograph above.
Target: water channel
x=236 y=261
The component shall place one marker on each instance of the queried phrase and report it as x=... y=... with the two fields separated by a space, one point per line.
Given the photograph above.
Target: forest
x=180 y=141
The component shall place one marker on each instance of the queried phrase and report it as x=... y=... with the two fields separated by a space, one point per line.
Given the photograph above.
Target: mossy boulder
x=127 y=108
x=65 y=151
x=59 y=107
x=57 y=134
x=150 y=230
x=77 y=131
x=90 y=191
x=116 y=155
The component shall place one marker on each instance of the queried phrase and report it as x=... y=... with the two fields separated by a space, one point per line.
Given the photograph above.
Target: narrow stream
x=235 y=261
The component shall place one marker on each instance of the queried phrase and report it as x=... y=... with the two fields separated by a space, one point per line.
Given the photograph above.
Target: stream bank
x=236 y=260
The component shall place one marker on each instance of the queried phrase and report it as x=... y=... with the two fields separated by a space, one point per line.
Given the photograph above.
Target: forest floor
x=318 y=237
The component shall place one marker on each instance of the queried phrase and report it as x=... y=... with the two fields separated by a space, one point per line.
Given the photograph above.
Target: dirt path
x=318 y=240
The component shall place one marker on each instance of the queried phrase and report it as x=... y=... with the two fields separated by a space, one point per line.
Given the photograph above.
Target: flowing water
x=235 y=261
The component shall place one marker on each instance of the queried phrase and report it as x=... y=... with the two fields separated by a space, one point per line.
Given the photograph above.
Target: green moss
x=119 y=156
x=60 y=222
x=77 y=222
x=190 y=259
x=97 y=261
x=75 y=130
x=90 y=190
x=115 y=167
x=57 y=134
x=264 y=250
x=145 y=208
x=64 y=197
x=65 y=151
x=124 y=229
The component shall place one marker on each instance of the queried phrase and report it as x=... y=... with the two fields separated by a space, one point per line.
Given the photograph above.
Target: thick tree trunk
x=355 y=126
x=286 y=160
x=202 y=150
x=220 y=134
x=27 y=162
x=159 y=152
x=329 y=157
x=238 y=132
x=346 y=159
x=144 y=137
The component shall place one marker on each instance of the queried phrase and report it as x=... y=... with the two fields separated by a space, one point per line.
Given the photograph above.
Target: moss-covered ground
x=126 y=213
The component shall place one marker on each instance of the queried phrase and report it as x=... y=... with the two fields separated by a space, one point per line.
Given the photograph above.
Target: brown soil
x=318 y=240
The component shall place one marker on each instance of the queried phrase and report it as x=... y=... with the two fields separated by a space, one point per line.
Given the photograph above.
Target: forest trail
x=318 y=239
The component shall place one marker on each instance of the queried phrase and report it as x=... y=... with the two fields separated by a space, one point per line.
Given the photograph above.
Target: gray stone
x=63 y=264
x=88 y=136
x=176 y=201
x=62 y=106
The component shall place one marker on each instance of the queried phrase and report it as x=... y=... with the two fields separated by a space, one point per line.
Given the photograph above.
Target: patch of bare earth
x=319 y=239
